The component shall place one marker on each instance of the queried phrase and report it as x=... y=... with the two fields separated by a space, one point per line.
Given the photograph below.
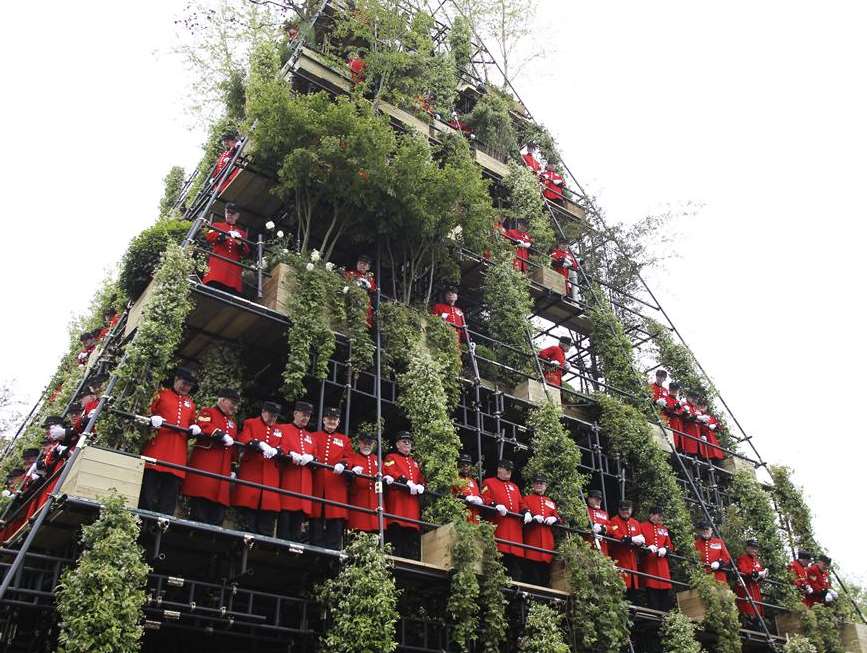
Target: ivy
x=793 y=510
x=143 y=254
x=533 y=132
x=491 y=122
x=100 y=600
x=463 y=604
x=525 y=201
x=360 y=603
x=557 y=457
x=677 y=634
x=822 y=627
x=460 y=42
x=493 y=584
x=598 y=611
x=543 y=632
x=721 y=619
x=222 y=367
x=173 y=183
x=799 y=644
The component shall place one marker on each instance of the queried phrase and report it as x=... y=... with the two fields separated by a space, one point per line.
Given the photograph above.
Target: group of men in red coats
x=813 y=579
x=552 y=182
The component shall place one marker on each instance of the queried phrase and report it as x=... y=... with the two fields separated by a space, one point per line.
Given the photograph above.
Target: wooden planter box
x=559 y=576
x=494 y=165
x=405 y=118
x=854 y=638
x=279 y=288
x=313 y=64
x=533 y=392
x=437 y=545
x=96 y=472
x=788 y=623
x=689 y=602
x=662 y=438
x=732 y=465
x=548 y=278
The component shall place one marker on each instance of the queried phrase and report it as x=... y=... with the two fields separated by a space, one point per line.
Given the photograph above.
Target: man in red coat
x=449 y=312
x=228 y=240
x=553 y=186
x=798 y=571
x=335 y=449
x=403 y=500
x=554 y=361
x=709 y=447
x=565 y=262
x=523 y=242
x=538 y=532
x=501 y=493
x=599 y=520
x=362 y=490
x=356 y=67
x=658 y=390
x=530 y=160
x=712 y=552
x=752 y=573
x=627 y=531
x=691 y=426
x=818 y=576
x=657 y=542
x=263 y=439
x=171 y=406
x=230 y=142
x=298 y=451
x=213 y=452
x=468 y=488
x=365 y=279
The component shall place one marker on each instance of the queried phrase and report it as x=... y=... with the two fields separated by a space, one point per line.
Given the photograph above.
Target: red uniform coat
x=658 y=392
x=552 y=185
x=536 y=534
x=222 y=162
x=691 y=426
x=799 y=576
x=747 y=566
x=256 y=468
x=674 y=411
x=709 y=431
x=532 y=162
x=224 y=245
x=356 y=69
x=658 y=536
x=509 y=528
x=468 y=486
x=563 y=260
x=362 y=493
x=170 y=445
x=710 y=551
x=331 y=448
x=820 y=581
x=599 y=516
x=297 y=478
x=522 y=254
x=625 y=554
x=452 y=315
x=211 y=455
x=367 y=281
x=554 y=354
x=398 y=500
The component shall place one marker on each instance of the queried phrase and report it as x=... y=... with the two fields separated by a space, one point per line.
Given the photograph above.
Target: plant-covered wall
x=143 y=254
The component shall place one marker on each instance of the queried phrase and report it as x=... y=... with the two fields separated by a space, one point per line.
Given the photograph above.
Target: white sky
x=755 y=110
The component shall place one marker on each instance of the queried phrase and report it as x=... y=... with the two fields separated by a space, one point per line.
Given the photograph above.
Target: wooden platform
x=252 y=193
x=559 y=310
x=316 y=68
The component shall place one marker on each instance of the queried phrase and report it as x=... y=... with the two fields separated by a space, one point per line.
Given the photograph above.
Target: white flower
x=329 y=266
x=285 y=251
x=345 y=289
x=314 y=255
x=269 y=225
x=309 y=267
x=263 y=262
x=280 y=233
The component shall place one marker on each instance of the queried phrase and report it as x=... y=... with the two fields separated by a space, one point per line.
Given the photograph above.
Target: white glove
x=306 y=458
x=195 y=429
x=703 y=418
x=270 y=453
x=56 y=432
x=473 y=499
x=228 y=440
x=567 y=366
x=808 y=589
x=660 y=402
x=59 y=449
x=763 y=573
x=91 y=413
x=419 y=488
x=388 y=479
x=597 y=528
x=338 y=468
x=233 y=476
x=653 y=548
x=550 y=521
x=235 y=234
x=357 y=469
x=413 y=488
x=264 y=446
x=714 y=565
x=661 y=551
x=527 y=517
x=364 y=283
x=7 y=493
x=295 y=456
x=833 y=593
x=704 y=438
x=539 y=518
x=524 y=243
x=444 y=316
x=157 y=421
x=501 y=509
x=829 y=596
x=638 y=539
x=712 y=427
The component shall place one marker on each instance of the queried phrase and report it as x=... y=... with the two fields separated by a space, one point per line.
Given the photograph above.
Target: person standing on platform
x=599 y=520
x=554 y=361
x=449 y=312
x=565 y=262
x=299 y=445
x=553 y=186
x=674 y=413
x=231 y=142
x=228 y=240
x=539 y=533
x=657 y=541
x=362 y=489
x=712 y=552
x=403 y=501
x=658 y=390
x=818 y=575
x=530 y=160
x=468 y=488
x=171 y=406
x=213 y=452
x=520 y=235
x=752 y=573
x=263 y=439
x=709 y=425
x=335 y=449
x=501 y=493
x=356 y=67
x=798 y=571
x=627 y=531
x=364 y=279
x=691 y=439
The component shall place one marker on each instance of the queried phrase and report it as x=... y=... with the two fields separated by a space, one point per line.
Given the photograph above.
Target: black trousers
x=224 y=288
x=513 y=566
x=661 y=600
x=405 y=542
x=290 y=525
x=258 y=521
x=537 y=573
x=633 y=596
x=159 y=491
x=207 y=511
x=327 y=533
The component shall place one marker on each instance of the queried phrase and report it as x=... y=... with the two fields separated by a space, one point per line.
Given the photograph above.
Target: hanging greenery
x=556 y=456
x=533 y=132
x=173 y=183
x=598 y=610
x=463 y=604
x=143 y=254
x=222 y=367
x=543 y=632
x=461 y=44
x=493 y=584
x=507 y=302
x=100 y=599
x=525 y=200
x=721 y=619
x=822 y=627
x=799 y=644
x=491 y=122
x=794 y=510
x=677 y=634
x=360 y=603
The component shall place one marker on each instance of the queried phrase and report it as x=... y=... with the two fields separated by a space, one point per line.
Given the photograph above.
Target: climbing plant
x=143 y=254
x=360 y=603
x=532 y=132
x=172 y=184
x=793 y=510
x=799 y=644
x=100 y=599
x=491 y=122
x=525 y=201
x=222 y=367
x=460 y=42
x=463 y=603
x=677 y=634
x=721 y=614
x=822 y=627
x=493 y=584
x=543 y=631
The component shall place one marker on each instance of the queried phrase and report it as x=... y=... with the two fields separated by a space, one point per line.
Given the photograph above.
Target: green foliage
x=360 y=603
x=677 y=634
x=543 y=631
x=822 y=627
x=463 y=605
x=211 y=149
x=149 y=357
x=598 y=610
x=493 y=584
x=799 y=644
x=173 y=182
x=144 y=252
x=461 y=44
x=533 y=132
x=794 y=510
x=491 y=122
x=525 y=201
x=557 y=457
x=507 y=300
x=721 y=614
x=100 y=600
x=222 y=367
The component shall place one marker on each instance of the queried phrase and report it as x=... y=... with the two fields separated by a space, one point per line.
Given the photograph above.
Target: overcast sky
x=756 y=111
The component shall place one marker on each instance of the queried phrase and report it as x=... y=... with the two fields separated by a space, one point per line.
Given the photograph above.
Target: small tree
x=543 y=631
x=678 y=634
x=173 y=182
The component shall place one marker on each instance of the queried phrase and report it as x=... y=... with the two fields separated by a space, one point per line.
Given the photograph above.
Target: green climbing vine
x=142 y=257
x=463 y=604
x=822 y=627
x=543 y=632
x=526 y=202
x=222 y=367
x=799 y=644
x=794 y=510
x=677 y=634
x=494 y=582
x=173 y=183
x=721 y=619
